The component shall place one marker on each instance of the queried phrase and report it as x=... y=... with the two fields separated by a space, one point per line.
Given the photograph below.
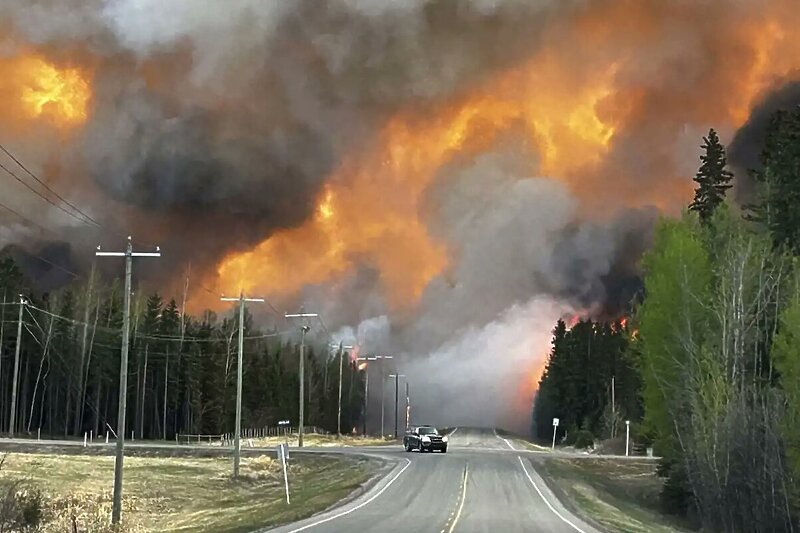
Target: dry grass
x=185 y=494
x=620 y=495
x=317 y=440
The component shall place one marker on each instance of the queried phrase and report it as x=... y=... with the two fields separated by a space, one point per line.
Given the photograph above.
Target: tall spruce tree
x=779 y=181
x=712 y=179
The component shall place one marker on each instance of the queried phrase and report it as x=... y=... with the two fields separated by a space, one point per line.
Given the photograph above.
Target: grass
x=619 y=495
x=187 y=494
x=314 y=439
x=521 y=442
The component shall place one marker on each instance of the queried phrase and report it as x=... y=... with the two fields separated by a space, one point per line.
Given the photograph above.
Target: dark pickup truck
x=425 y=439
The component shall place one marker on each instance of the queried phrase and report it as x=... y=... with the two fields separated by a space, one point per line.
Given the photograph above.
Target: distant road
x=481 y=485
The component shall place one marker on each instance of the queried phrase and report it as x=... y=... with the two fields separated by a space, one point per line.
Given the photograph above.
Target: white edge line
x=463 y=498
x=452 y=432
x=576 y=528
x=496 y=434
x=357 y=507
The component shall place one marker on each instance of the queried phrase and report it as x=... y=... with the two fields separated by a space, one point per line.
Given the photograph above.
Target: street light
x=303 y=329
x=366 y=387
x=382 y=357
x=396 y=394
x=339 y=412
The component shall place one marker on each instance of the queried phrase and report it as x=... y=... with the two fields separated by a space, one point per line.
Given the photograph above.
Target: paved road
x=472 y=489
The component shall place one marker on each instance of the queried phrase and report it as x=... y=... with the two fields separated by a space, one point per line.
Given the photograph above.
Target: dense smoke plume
x=451 y=175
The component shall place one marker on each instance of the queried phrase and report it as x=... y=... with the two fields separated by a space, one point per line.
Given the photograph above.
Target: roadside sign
x=555 y=422
x=283 y=455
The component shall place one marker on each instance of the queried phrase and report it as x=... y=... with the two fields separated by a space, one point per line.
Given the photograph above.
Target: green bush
x=584 y=439
x=676 y=495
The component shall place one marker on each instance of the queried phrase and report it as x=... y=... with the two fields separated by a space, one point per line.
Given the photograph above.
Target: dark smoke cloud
x=744 y=151
x=231 y=114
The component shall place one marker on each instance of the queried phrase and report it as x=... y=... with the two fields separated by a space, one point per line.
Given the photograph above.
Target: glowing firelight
x=60 y=94
x=325 y=209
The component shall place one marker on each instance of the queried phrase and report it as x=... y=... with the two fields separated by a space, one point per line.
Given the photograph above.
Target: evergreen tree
x=779 y=182
x=712 y=178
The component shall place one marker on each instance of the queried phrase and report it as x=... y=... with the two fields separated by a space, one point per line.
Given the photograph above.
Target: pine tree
x=712 y=178
x=779 y=180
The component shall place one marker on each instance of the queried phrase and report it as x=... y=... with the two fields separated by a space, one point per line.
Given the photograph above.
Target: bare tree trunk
x=67 y=403
x=166 y=385
x=98 y=392
x=45 y=395
x=144 y=391
x=39 y=373
x=85 y=380
x=2 y=339
x=79 y=396
x=180 y=344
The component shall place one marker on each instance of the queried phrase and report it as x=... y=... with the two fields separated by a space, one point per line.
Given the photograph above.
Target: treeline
x=590 y=383
x=181 y=374
x=716 y=349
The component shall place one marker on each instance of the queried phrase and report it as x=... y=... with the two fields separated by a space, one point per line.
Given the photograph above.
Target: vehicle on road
x=425 y=439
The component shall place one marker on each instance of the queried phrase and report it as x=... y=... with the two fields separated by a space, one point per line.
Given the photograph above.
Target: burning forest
x=440 y=180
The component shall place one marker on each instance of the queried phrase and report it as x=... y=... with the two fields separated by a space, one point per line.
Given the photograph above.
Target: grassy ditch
x=620 y=495
x=181 y=494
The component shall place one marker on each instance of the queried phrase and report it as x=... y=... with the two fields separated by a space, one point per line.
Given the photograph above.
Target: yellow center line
x=463 y=498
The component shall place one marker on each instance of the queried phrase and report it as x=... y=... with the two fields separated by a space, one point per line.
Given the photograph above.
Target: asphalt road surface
x=481 y=484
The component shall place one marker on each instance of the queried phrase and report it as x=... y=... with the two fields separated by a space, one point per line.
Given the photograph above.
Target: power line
x=46 y=199
x=26 y=219
x=155 y=337
x=83 y=218
x=43 y=184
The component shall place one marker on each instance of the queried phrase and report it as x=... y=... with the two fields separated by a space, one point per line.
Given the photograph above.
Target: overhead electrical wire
x=42 y=259
x=154 y=337
x=45 y=198
x=47 y=187
x=74 y=211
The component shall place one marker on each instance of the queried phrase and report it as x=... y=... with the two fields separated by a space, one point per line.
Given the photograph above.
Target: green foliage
x=181 y=371
x=672 y=318
x=576 y=385
x=584 y=439
x=712 y=178
x=779 y=181
x=786 y=357
x=676 y=496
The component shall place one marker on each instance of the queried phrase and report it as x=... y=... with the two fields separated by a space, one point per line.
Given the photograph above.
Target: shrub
x=584 y=439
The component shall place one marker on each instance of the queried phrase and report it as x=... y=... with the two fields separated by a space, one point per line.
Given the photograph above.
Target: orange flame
x=44 y=90
x=569 y=106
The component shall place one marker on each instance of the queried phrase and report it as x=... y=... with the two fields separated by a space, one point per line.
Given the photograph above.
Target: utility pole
x=408 y=408
x=366 y=387
x=396 y=397
x=383 y=379
x=15 y=376
x=128 y=254
x=237 y=436
x=303 y=330
x=339 y=413
x=166 y=381
x=613 y=411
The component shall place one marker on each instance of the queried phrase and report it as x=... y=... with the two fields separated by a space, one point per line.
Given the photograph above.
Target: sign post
x=285 y=424
x=627 y=436
x=555 y=427
x=282 y=454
